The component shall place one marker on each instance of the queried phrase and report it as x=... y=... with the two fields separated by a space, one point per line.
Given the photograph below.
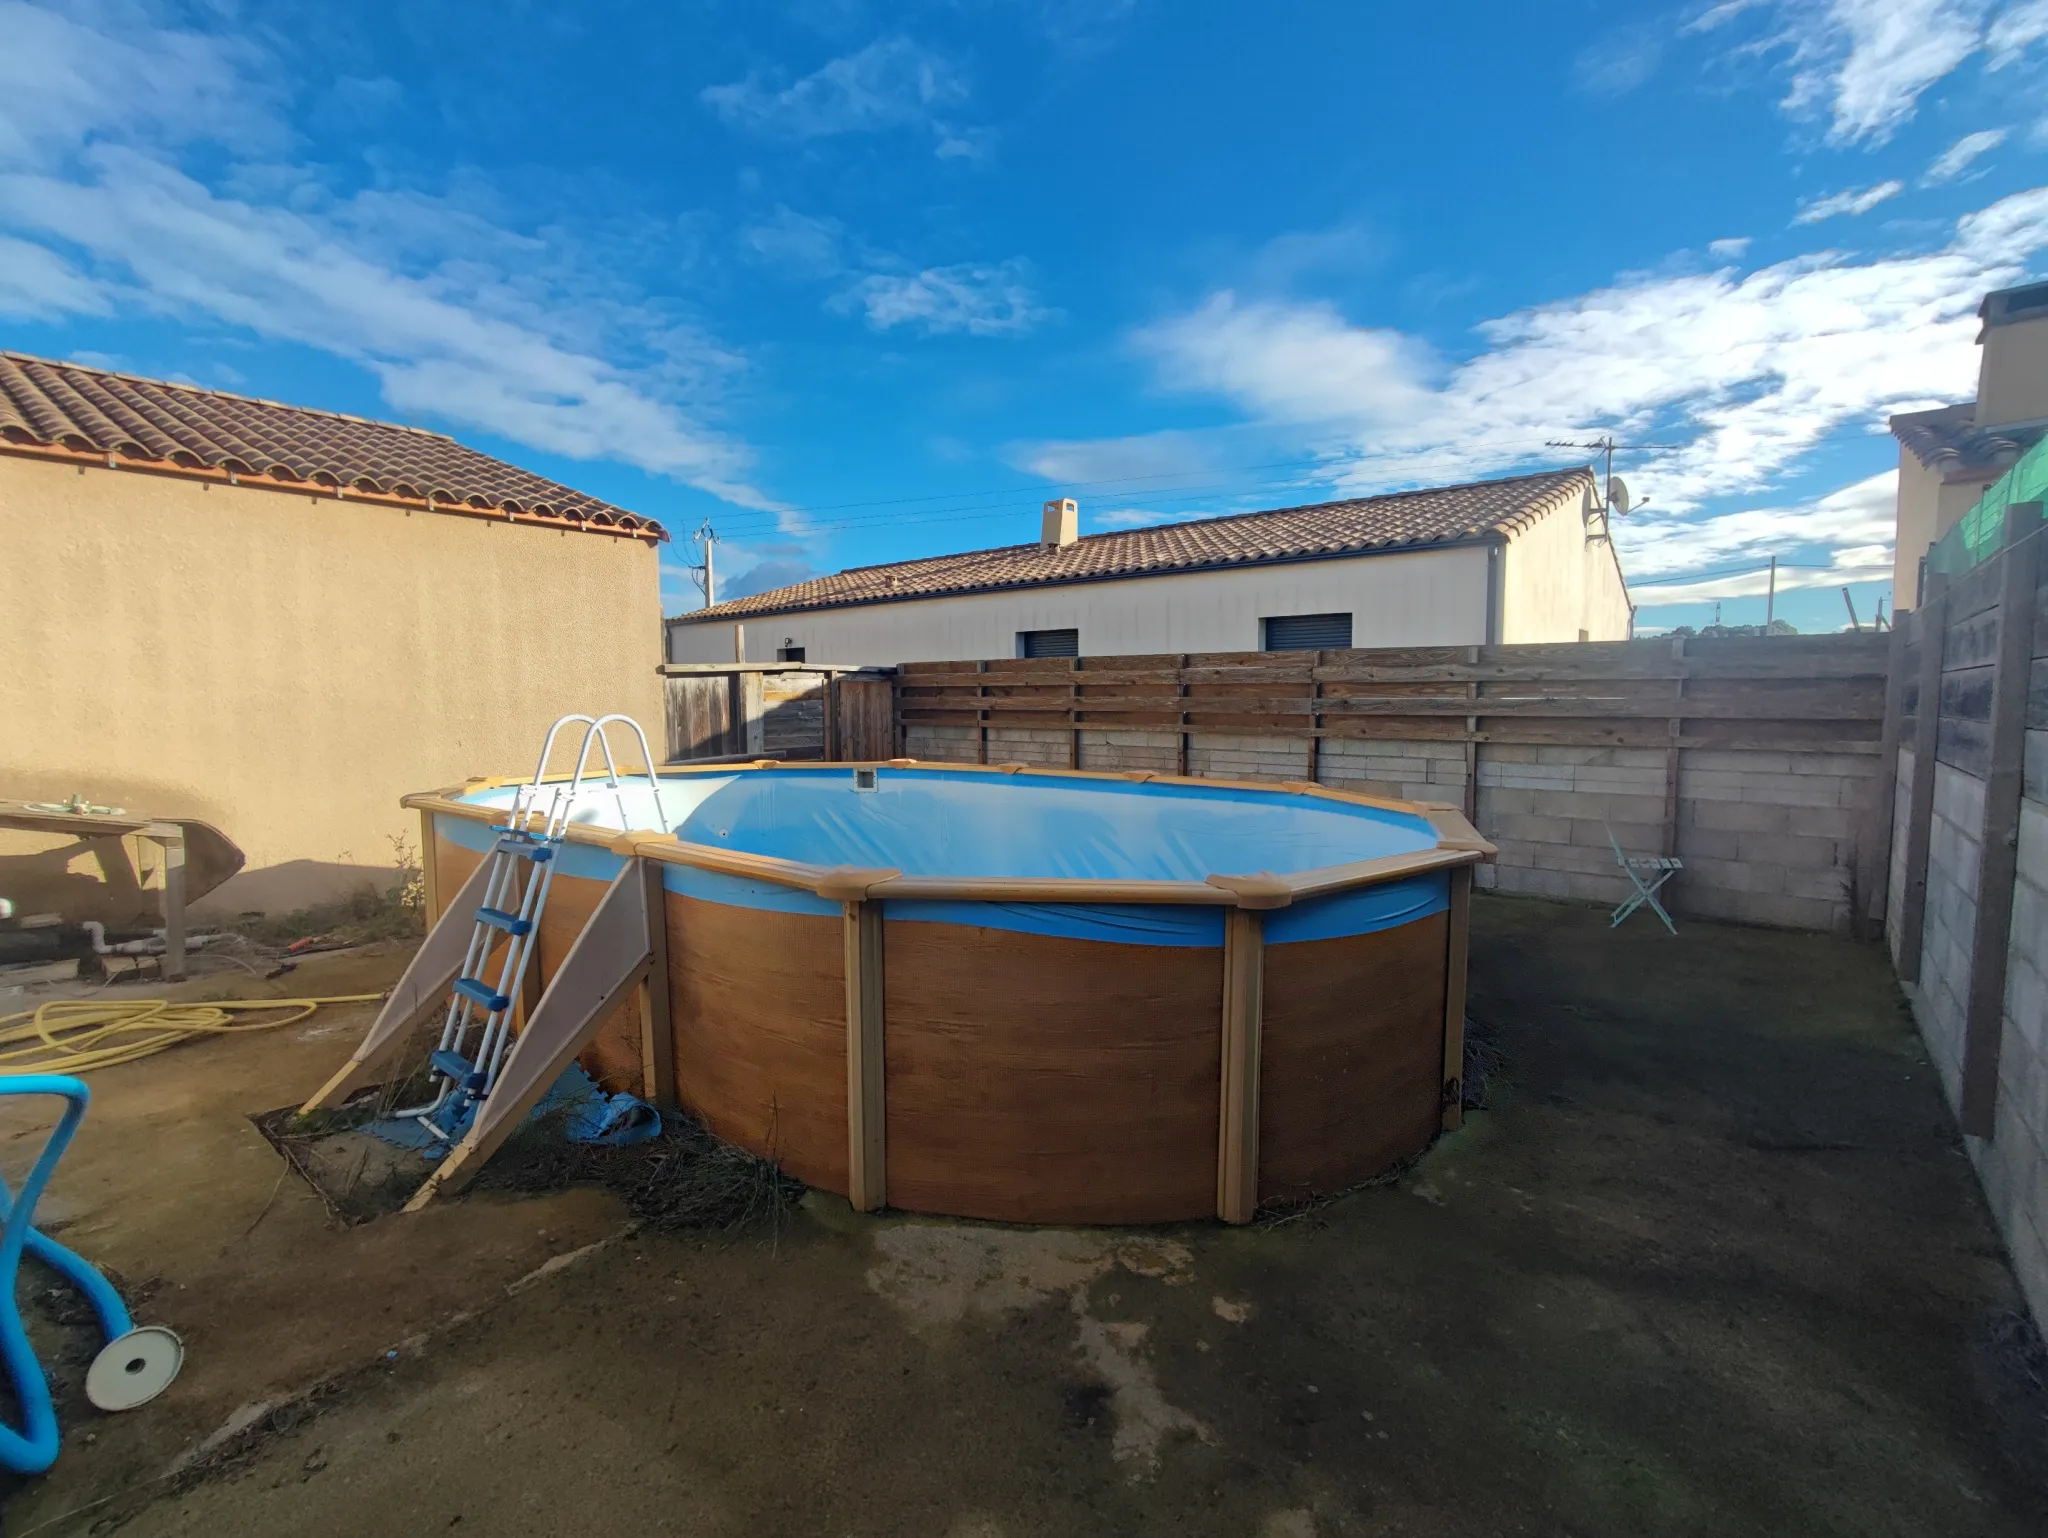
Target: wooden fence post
x=1457 y=954
x=657 y=1034
x=1237 y=1154
x=1931 y=620
x=1674 y=730
x=1998 y=851
x=1874 y=846
x=867 y=1173
x=1471 y=798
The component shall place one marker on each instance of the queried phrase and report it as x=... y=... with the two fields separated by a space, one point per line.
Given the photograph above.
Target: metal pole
x=1855 y=624
x=1771 y=600
x=710 y=574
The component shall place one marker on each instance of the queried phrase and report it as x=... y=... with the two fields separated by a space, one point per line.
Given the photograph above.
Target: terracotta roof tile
x=1948 y=439
x=48 y=404
x=1360 y=526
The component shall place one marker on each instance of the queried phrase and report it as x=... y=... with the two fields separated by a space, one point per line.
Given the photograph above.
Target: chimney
x=1062 y=525
x=2012 y=374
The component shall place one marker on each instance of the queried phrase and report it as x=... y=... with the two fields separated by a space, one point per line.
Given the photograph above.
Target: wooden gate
x=865 y=718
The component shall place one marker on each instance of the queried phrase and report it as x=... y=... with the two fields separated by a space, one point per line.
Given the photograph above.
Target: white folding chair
x=1646 y=873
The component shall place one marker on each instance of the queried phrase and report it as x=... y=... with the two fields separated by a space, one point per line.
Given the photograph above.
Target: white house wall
x=1558 y=584
x=1426 y=598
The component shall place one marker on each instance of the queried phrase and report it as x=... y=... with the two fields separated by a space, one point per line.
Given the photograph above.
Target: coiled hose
x=134 y=1366
x=80 y=1035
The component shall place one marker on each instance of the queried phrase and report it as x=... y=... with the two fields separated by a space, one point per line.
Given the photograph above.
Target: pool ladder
x=507 y=921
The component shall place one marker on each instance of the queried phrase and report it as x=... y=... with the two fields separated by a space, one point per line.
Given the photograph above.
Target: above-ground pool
x=1028 y=995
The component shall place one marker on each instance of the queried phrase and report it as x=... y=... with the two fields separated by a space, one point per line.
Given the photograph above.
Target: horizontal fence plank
x=1803 y=705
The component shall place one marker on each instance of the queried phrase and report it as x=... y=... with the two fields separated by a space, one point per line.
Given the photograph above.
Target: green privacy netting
x=1982 y=530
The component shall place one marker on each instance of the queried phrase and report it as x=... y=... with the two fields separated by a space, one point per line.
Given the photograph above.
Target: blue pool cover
x=935 y=822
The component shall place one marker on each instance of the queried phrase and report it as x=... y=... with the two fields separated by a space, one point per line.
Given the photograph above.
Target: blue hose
x=34 y=1448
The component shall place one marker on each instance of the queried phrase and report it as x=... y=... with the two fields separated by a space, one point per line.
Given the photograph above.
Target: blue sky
x=860 y=282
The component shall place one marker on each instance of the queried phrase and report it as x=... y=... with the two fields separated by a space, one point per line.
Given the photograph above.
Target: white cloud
x=1736 y=376
x=1730 y=250
x=1136 y=517
x=1859 y=200
x=488 y=328
x=1618 y=63
x=1854 y=523
x=1292 y=362
x=799 y=244
x=1103 y=461
x=980 y=299
x=2015 y=31
x=38 y=284
x=64 y=81
x=1956 y=159
x=1866 y=63
x=891 y=83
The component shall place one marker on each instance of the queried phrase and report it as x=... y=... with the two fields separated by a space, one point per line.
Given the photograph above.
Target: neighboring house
x=280 y=620
x=1522 y=559
x=1947 y=456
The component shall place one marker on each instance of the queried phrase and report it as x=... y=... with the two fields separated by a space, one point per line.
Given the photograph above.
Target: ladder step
x=452 y=1065
x=511 y=923
x=483 y=994
x=540 y=854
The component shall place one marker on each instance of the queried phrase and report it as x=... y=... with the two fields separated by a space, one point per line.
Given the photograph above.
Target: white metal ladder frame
x=517 y=842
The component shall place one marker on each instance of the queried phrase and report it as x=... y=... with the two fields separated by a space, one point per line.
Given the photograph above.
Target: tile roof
x=75 y=410
x=1360 y=526
x=1948 y=439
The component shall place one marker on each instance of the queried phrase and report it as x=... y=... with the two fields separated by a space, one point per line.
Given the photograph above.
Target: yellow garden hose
x=80 y=1035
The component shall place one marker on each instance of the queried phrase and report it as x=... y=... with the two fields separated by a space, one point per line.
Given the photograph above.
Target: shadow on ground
x=1709 y=1261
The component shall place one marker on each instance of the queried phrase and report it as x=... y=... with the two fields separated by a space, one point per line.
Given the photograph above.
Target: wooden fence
x=1968 y=912
x=1545 y=747
x=782 y=710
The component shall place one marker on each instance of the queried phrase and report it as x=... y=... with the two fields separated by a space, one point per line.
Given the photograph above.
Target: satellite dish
x=1617 y=496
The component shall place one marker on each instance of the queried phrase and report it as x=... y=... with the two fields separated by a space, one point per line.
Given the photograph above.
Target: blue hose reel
x=137 y=1363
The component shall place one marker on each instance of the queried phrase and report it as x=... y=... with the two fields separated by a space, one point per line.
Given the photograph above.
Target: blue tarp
x=930 y=822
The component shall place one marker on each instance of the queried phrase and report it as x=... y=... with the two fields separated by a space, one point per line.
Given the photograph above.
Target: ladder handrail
x=594 y=728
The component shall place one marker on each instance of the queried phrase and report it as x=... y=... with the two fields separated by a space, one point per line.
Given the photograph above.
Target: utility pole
x=706 y=576
x=1771 y=599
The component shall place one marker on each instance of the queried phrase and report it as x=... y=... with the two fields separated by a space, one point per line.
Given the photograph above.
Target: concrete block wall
x=1767 y=838
x=2014 y=1163
x=1549 y=808
x=1771 y=838
x=1953 y=849
x=1130 y=749
x=1411 y=771
x=1213 y=756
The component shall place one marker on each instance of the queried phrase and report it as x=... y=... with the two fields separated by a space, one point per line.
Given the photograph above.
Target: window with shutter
x=1052 y=643
x=1305 y=632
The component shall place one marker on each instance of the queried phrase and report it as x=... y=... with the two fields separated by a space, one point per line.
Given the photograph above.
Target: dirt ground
x=1709 y=1261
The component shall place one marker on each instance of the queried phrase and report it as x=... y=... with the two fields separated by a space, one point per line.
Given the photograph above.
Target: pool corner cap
x=629 y=843
x=1454 y=832
x=1263 y=890
x=901 y=763
x=850 y=883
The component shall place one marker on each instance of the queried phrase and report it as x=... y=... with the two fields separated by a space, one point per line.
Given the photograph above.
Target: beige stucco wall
x=1928 y=507
x=1919 y=496
x=1556 y=583
x=1425 y=598
x=287 y=667
x=2012 y=374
